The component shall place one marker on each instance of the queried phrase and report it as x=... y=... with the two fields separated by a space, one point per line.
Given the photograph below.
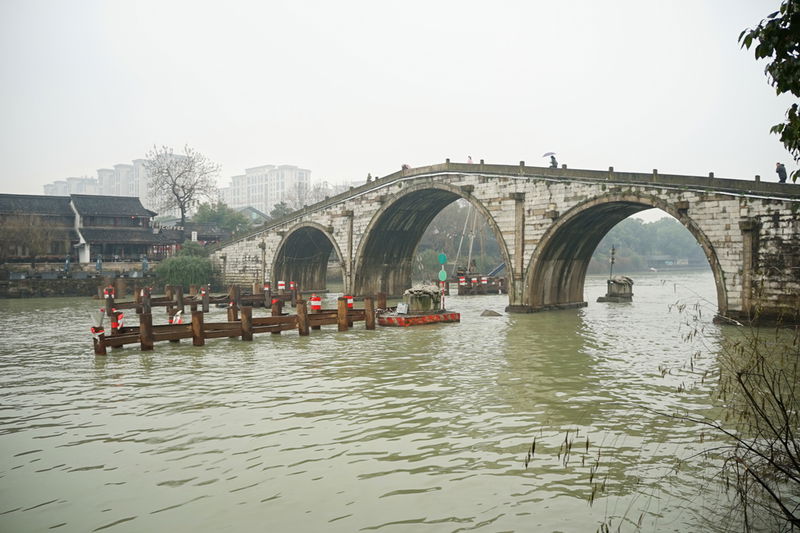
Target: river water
x=418 y=429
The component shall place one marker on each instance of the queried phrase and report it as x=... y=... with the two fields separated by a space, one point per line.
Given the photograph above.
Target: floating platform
x=394 y=319
x=615 y=299
x=620 y=289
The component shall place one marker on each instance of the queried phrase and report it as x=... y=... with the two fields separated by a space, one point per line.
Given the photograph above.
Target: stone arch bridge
x=547 y=222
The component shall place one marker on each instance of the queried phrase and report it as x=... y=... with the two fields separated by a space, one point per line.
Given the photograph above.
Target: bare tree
x=180 y=181
x=301 y=195
x=31 y=236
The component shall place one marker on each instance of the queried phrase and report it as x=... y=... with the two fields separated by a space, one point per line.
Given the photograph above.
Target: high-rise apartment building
x=261 y=187
x=71 y=186
x=265 y=186
x=122 y=180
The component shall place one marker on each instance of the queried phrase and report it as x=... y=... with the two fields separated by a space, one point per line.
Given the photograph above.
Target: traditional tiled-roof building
x=82 y=226
x=85 y=227
x=112 y=227
x=33 y=226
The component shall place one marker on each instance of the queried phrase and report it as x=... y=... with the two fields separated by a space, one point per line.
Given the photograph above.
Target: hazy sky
x=346 y=88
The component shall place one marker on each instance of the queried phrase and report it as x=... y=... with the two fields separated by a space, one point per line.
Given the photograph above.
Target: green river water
x=416 y=429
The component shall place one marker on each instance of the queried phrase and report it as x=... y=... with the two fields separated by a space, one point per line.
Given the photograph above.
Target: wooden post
x=258 y=290
x=247 y=323
x=198 y=339
x=193 y=292
x=277 y=310
x=233 y=314
x=369 y=312
x=121 y=287
x=169 y=292
x=179 y=299
x=206 y=297
x=115 y=320
x=382 y=300
x=99 y=344
x=302 y=318
x=295 y=294
x=174 y=341
x=146 y=340
x=145 y=294
x=233 y=294
x=268 y=297
x=109 y=304
x=341 y=314
x=313 y=312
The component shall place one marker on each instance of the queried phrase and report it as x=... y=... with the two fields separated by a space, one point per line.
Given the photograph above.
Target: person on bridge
x=553 y=162
x=781 y=170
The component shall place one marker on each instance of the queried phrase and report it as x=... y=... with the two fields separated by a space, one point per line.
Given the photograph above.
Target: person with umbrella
x=553 y=162
x=781 y=170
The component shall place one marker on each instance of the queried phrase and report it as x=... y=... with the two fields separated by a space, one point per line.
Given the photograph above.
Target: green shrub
x=191 y=248
x=184 y=270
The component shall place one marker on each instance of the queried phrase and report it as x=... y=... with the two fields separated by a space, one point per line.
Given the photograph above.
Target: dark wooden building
x=115 y=228
x=32 y=226
x=88 y=227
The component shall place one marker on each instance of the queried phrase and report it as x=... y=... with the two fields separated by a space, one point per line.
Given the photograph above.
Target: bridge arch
x=384 y=258
x=557 y=269
x=303 y=255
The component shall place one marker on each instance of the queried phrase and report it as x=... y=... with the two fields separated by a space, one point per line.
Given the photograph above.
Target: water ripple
x=424 y=428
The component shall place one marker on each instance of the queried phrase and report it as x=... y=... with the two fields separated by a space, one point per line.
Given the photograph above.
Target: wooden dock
x=240 y=320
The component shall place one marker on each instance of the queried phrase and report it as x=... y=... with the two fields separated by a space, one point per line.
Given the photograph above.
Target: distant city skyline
x=261 y=187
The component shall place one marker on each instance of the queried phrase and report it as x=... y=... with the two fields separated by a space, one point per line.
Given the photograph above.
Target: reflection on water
x=424 y=428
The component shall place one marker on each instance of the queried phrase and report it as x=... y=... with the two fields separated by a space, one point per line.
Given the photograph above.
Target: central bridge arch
x=557 y=270
x=384 y=259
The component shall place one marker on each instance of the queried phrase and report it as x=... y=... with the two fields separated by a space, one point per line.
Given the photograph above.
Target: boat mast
x=471 y=240
x=461 y=240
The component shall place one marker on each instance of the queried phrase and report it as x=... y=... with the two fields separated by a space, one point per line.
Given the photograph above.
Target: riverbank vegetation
x=190 y=266
x=759 y=383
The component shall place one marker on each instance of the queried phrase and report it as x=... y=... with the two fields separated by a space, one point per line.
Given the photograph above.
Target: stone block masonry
x=547 y=223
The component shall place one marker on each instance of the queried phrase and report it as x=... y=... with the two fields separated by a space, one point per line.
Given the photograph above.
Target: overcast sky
x=346 y=88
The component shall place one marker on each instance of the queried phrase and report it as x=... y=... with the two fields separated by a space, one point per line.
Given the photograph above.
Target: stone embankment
x=26 y=288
